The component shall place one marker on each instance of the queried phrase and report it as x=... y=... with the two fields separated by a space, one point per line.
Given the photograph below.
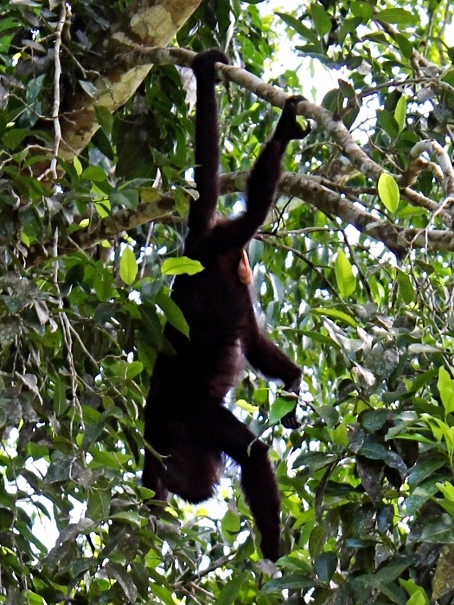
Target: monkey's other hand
x=288 y=127
x=203 y=63
x=290 y=421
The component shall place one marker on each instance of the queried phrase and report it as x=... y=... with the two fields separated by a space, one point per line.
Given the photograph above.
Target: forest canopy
x=352 y=278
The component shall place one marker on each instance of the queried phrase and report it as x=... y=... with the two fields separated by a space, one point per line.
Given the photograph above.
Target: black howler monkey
x=185 y=420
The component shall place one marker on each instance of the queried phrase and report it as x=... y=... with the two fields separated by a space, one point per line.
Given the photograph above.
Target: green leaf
x=13 y=137
x=387 y=122
x=321 y=19
x=362 y=10
x=129 y=517
x=391 y=591
x=247 y=407
x=423 y=469
x=133 y=369
x=396 y=16
x=449 y=76
x=94 y=173
x=152 y=325
x=123 y=579
x=373 y=420
x=180 y=265
x=231 y=589
x=288 y=582
x=405 y=46
x=405 y=288
x=325 y=566
x=373 y=451
x=8 y=23
x=317 y=337
x=280 y=408
x=107 y=459
x=317 y=540
x=419 y=347
x=77 y=165
x=104 y=286
x=101 y=141
x=181 y=201
x=301 y=29
x=34 y=599
x=172 y=312
x=128 y=266
x=447 y=489
x=400 y=112
x=60 y=402
x=230 y=525
x=103 y=207
x=438 y=533
x=417 y=594
x=388 y=191
x=335 y=314
x=329 y=414
x=340 y=435
x=446 y=387
x=162 y=593
x=344 y=274
x=437 y=426
x=126 y=197
x=427 y=267
x=104 y=118
x=348 y=26
x=98 y=504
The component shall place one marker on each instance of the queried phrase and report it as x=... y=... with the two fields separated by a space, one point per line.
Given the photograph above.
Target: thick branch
x=148 y=22
x=109 y=227
x=399 y=240
x=442 y=170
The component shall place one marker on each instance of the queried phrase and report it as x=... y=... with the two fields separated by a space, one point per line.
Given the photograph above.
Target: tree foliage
x=353 y=275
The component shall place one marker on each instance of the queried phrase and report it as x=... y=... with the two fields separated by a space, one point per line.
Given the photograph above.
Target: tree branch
x=148 y=22
x=399 y=240
x=324 y=118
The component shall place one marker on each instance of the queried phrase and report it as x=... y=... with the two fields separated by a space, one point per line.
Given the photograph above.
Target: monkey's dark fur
x=184 y=416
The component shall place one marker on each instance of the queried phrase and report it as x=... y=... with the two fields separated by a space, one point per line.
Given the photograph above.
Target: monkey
x=185 y=419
